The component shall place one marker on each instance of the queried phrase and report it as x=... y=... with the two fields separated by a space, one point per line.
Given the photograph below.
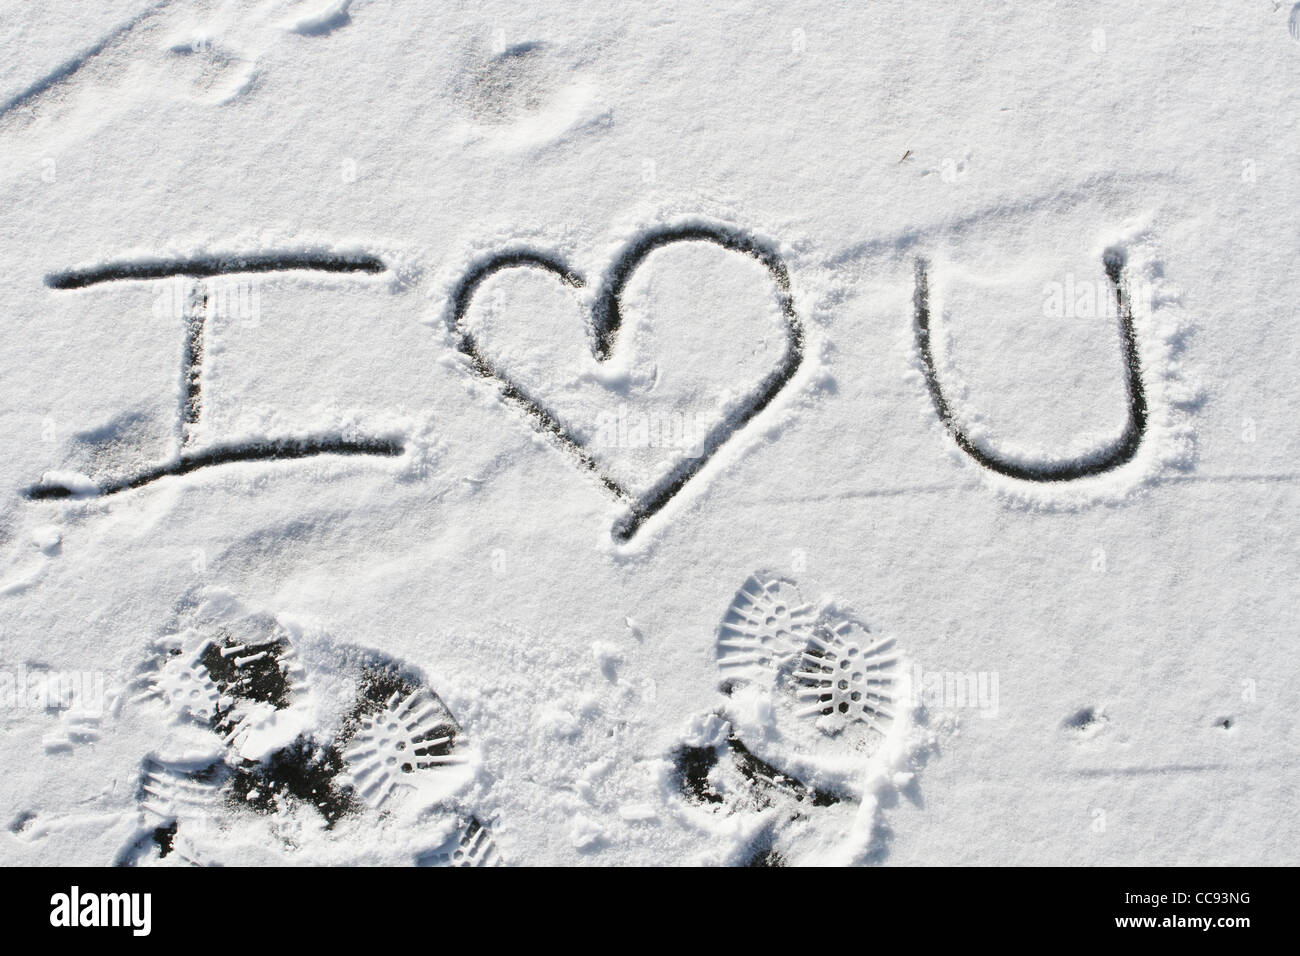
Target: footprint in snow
x=239 y=676
x=810 y=728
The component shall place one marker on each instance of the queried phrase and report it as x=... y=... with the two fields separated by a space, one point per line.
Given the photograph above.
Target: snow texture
x=768 y=434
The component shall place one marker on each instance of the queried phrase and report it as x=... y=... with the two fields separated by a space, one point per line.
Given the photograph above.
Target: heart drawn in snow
x=605 y=321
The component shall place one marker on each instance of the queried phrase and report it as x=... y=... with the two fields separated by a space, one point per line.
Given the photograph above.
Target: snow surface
x=1124 y=639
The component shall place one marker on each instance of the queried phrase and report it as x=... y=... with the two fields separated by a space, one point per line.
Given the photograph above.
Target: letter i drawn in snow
x=198 y=286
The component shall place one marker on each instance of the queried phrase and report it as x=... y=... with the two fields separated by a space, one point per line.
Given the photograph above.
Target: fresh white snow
x=529 y=585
